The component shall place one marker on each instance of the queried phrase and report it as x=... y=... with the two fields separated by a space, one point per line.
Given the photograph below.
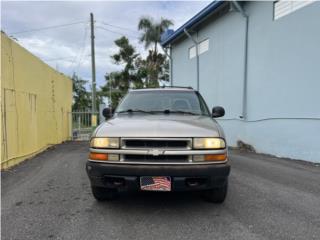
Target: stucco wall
x=283 y=100
x=35 y=104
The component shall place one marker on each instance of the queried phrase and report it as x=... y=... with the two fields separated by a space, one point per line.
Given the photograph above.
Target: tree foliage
x=152 y=31
x=81 y=98
x=138 y=72
x=120 y=81
x=151 y=35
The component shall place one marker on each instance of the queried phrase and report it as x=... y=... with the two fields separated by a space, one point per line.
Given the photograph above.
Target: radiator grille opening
x=145 y=143
x=161 y=158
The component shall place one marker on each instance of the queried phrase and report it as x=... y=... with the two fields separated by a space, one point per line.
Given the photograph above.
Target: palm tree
x=152 y=31
x=151 y=35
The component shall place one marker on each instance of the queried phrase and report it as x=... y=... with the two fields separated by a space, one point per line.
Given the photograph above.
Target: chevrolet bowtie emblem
x=155 y=152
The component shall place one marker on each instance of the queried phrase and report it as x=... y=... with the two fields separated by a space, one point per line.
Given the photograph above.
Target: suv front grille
x=161 y=158
x=161 y=144
x=156 y=143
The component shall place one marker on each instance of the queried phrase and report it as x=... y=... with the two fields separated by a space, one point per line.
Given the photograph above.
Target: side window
x=282 y=8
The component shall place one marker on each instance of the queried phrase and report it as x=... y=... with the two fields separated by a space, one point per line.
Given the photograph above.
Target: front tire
x=216 y=195
x=103 y=194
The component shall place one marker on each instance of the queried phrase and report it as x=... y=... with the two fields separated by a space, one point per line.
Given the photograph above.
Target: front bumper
x=183 y=177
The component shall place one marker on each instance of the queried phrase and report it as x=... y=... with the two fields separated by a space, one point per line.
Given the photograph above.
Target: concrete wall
x=35 y=104
x=283 y=100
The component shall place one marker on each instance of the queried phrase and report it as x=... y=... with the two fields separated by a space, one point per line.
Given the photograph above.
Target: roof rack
x=176 y=87
x=162 y=87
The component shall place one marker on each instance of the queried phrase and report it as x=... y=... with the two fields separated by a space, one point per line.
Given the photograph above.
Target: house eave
x=194 y=21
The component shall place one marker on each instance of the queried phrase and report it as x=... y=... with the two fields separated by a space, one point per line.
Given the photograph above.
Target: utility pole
x=93 y=66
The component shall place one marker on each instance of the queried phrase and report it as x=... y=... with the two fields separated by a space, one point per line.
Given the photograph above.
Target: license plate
x=149 y=183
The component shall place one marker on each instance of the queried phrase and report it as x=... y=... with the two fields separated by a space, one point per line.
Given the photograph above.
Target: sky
x=67 y=48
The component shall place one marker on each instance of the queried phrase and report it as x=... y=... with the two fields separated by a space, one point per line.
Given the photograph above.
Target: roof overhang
x=194 y=21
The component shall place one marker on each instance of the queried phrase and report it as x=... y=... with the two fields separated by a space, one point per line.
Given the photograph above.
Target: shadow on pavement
x=149 y=202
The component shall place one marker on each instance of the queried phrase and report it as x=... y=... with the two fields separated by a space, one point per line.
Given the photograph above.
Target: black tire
x=216 y=195
x=103 y=194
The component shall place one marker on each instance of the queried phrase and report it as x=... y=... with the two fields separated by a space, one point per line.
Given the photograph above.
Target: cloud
x=68 y=48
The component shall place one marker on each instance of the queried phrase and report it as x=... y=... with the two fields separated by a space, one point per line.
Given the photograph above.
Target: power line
x=57 y=59
x=82 y=55
x=62 y=58
x=49 y=27
x=81 y=59
x=83 y=45
x=123 y=28
x=115 y=32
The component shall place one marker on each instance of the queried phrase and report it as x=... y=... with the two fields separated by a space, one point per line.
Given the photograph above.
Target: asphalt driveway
x=48 y=197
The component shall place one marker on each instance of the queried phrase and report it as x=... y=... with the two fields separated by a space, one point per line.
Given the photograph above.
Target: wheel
x=103 y=194
x=216 y=195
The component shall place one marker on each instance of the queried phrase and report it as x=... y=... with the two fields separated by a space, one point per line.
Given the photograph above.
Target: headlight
x=104 y=143
x=208 y=143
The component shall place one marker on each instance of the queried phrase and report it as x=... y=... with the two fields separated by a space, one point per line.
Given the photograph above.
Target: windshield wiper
x=135 y=110
x=167 y=111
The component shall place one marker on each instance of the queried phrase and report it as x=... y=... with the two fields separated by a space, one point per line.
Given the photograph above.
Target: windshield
x=163 y=101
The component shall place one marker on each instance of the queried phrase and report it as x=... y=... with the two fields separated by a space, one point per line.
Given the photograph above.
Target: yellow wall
x=35 y=104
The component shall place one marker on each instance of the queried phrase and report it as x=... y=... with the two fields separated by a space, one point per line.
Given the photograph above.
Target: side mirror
x=107 y=113
x=218 y=112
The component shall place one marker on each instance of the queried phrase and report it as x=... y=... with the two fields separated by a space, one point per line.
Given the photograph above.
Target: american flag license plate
x=149 y=183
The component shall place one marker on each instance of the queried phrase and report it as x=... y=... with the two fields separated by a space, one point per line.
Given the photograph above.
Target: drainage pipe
x=245 y=77
x=197 y=55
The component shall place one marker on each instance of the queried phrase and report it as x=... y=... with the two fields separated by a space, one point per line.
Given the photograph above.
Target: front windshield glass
x=163 y=101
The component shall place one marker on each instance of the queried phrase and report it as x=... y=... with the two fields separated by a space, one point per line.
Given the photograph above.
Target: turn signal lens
x=98 y=156
x=215 y=157
x=210 y=157
x=208 y=143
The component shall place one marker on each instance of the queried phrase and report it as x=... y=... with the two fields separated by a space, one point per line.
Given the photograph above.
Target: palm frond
x=145 y=23
x=165 y=23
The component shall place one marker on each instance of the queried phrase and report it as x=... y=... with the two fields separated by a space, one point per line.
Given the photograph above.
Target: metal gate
x=83 y=124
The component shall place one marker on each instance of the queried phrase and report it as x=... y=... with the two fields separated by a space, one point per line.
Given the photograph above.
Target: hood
x=171 y=125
